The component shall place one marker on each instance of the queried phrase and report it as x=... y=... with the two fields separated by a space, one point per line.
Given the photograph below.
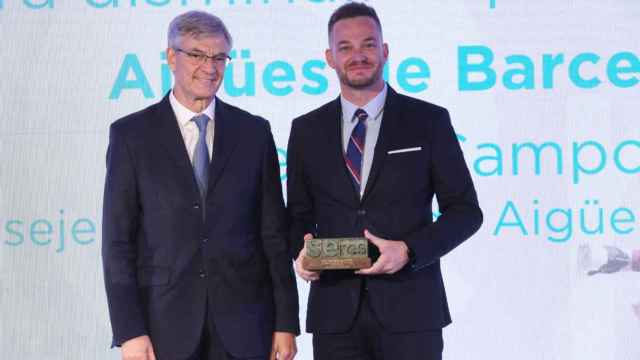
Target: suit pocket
x=408 y=163
x=153 y=276
x=405 y=150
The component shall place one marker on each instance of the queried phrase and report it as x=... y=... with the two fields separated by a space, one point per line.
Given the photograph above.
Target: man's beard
x=360 y=83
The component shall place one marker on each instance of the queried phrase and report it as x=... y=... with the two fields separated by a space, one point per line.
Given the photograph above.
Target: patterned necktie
x=355 y=149
x=201 y=154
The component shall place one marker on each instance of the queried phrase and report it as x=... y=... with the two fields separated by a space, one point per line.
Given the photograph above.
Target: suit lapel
x=388 y=128
x=333 y=117
x=171 y=139
x=225 y=139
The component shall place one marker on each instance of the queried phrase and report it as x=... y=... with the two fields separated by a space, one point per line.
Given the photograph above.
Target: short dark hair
x=351 y=10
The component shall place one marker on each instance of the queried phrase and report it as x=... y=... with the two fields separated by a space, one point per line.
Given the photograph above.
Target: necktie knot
x=201 y=121
x=361 y=115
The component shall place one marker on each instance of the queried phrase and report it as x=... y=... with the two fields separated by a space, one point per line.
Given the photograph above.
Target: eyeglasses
x=199 y=58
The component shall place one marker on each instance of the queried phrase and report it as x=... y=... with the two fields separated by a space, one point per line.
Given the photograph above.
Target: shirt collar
x=373 y=107
x=184 y=115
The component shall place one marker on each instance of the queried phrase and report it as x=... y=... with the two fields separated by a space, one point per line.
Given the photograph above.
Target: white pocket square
x=398 y=151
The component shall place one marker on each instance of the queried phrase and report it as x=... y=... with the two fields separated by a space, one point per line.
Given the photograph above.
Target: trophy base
x=317 y=264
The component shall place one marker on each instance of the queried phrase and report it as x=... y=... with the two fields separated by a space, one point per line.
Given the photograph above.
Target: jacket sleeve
x=299 y=201
x=457 y=200
x=275 y=245
x=119 y=249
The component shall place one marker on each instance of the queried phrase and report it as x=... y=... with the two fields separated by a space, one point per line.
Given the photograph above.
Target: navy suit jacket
x=166 y=253
x=396 y=205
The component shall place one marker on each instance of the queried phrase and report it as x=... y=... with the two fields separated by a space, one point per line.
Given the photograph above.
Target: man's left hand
x=394 y=255
x=284 y=346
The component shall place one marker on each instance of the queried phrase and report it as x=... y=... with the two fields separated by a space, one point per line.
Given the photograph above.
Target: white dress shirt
x=189 y=129
x=374 y=109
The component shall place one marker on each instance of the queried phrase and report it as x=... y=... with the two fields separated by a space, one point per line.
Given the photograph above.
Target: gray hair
x=196 y=24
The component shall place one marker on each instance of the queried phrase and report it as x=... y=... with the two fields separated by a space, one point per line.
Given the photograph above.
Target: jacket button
x=196 y=206
x=362 y=212
x=202 y=274
x=204 y=241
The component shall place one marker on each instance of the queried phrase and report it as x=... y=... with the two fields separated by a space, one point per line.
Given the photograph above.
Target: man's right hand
x=138 y=348
x=301 y=271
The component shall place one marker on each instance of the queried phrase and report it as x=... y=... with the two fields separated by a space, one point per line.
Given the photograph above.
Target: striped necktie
x=355 y=149
x=201 y=154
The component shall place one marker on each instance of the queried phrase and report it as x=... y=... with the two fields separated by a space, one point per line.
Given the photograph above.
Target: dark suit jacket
x=396 y=205
x=165 y=251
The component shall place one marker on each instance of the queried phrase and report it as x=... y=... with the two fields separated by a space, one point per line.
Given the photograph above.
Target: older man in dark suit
x=369 y=163
x=195 y=256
